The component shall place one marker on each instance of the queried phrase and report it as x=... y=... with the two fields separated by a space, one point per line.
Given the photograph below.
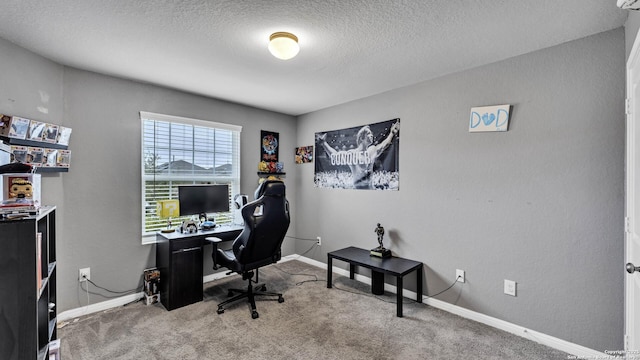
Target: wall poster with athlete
x=361 y=157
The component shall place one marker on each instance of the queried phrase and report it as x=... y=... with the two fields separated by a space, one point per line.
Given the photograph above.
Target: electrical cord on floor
x=134 y=301
x=363 y=293
x=300 y=282
x=84 y=315
x=309 y=249
x=303 y=239
x=117 y=293
x=452 y=285
x=113 y=291
x=354 y=292
x=391 y=301
x=88 y=302
x=300 y=255
x=97 y=293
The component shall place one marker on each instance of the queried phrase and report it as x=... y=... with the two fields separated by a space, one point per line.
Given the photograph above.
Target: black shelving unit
x=28 y=313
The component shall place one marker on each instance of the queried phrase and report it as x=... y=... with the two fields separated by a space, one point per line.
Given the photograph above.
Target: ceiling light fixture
x=283 y=45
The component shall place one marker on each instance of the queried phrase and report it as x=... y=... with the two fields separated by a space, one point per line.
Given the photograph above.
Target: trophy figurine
x=380 y=251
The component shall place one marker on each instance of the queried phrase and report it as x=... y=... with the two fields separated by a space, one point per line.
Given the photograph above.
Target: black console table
x=179 y=257
x=395 y=266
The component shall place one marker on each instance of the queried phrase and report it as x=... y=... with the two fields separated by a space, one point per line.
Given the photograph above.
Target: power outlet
x=510 y=287
x=319 y=241
x=84 y=274
x=460 y=275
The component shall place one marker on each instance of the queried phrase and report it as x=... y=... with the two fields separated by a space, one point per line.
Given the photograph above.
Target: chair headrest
x=270 y=188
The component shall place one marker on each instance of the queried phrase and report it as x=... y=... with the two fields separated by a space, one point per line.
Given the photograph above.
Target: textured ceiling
x=349 y=49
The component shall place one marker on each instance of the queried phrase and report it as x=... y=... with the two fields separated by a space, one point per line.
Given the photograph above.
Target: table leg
x=352 y=271
x=377 y=282
x=329 y=271
x=399 y=296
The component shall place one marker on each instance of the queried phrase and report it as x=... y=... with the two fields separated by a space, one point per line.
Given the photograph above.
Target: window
x=180 y=151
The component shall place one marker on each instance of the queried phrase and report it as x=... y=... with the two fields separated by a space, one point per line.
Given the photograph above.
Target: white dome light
x=283 y=45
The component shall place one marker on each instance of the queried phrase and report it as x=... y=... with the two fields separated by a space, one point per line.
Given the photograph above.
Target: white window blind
x=180 y=151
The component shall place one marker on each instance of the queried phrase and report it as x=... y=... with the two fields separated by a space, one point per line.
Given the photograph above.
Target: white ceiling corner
x=348 y=49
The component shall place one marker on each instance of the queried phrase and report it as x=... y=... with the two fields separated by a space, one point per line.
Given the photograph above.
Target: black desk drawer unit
x=179 y=257
x=180 y=265
x=186 y=281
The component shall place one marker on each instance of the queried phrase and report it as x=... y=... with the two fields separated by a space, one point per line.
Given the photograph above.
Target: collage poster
x=269 y=146
x=304 y=154
x=362 y=157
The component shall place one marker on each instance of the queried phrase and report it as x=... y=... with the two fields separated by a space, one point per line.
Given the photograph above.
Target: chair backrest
x=266 y=221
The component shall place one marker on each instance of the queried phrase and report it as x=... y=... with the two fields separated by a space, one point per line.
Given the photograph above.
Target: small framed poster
x=304 y=154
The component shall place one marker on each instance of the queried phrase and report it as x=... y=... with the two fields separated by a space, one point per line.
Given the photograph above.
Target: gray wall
x=31 y=86
x=99 y=199
x=105 y=172
x=541 y=204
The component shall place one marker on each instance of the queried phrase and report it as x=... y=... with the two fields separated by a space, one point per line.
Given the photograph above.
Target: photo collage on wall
x=362 y=157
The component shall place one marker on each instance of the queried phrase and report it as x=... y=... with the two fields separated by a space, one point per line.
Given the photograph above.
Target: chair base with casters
x=250 y=294
x=266 y=220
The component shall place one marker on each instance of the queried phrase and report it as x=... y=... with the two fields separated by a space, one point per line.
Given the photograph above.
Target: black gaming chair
x=266 y=221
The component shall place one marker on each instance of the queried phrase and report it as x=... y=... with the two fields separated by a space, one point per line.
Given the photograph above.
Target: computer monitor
x=203 y=199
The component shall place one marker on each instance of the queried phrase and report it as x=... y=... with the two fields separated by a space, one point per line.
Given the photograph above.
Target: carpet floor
x=345 y=322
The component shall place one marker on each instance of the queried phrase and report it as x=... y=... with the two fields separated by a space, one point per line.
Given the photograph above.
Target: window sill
x=149 y=239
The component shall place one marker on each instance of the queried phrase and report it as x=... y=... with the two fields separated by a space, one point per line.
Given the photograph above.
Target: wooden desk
x=395 y=266
x=179 y=257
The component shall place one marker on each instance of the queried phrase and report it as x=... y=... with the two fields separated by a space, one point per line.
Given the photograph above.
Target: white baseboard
x=544 y=339
x=124 y=300
x=215 y=276
x=97 y=307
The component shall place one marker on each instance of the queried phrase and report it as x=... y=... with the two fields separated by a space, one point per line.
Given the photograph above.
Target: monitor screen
x=198 y=199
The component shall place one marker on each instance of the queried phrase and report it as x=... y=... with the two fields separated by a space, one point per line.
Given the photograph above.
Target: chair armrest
x=214 y=253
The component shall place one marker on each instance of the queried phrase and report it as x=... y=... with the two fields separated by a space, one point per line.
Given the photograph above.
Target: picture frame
x=304 y=154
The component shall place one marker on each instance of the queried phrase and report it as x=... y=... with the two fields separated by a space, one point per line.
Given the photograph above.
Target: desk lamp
x=166 y=209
